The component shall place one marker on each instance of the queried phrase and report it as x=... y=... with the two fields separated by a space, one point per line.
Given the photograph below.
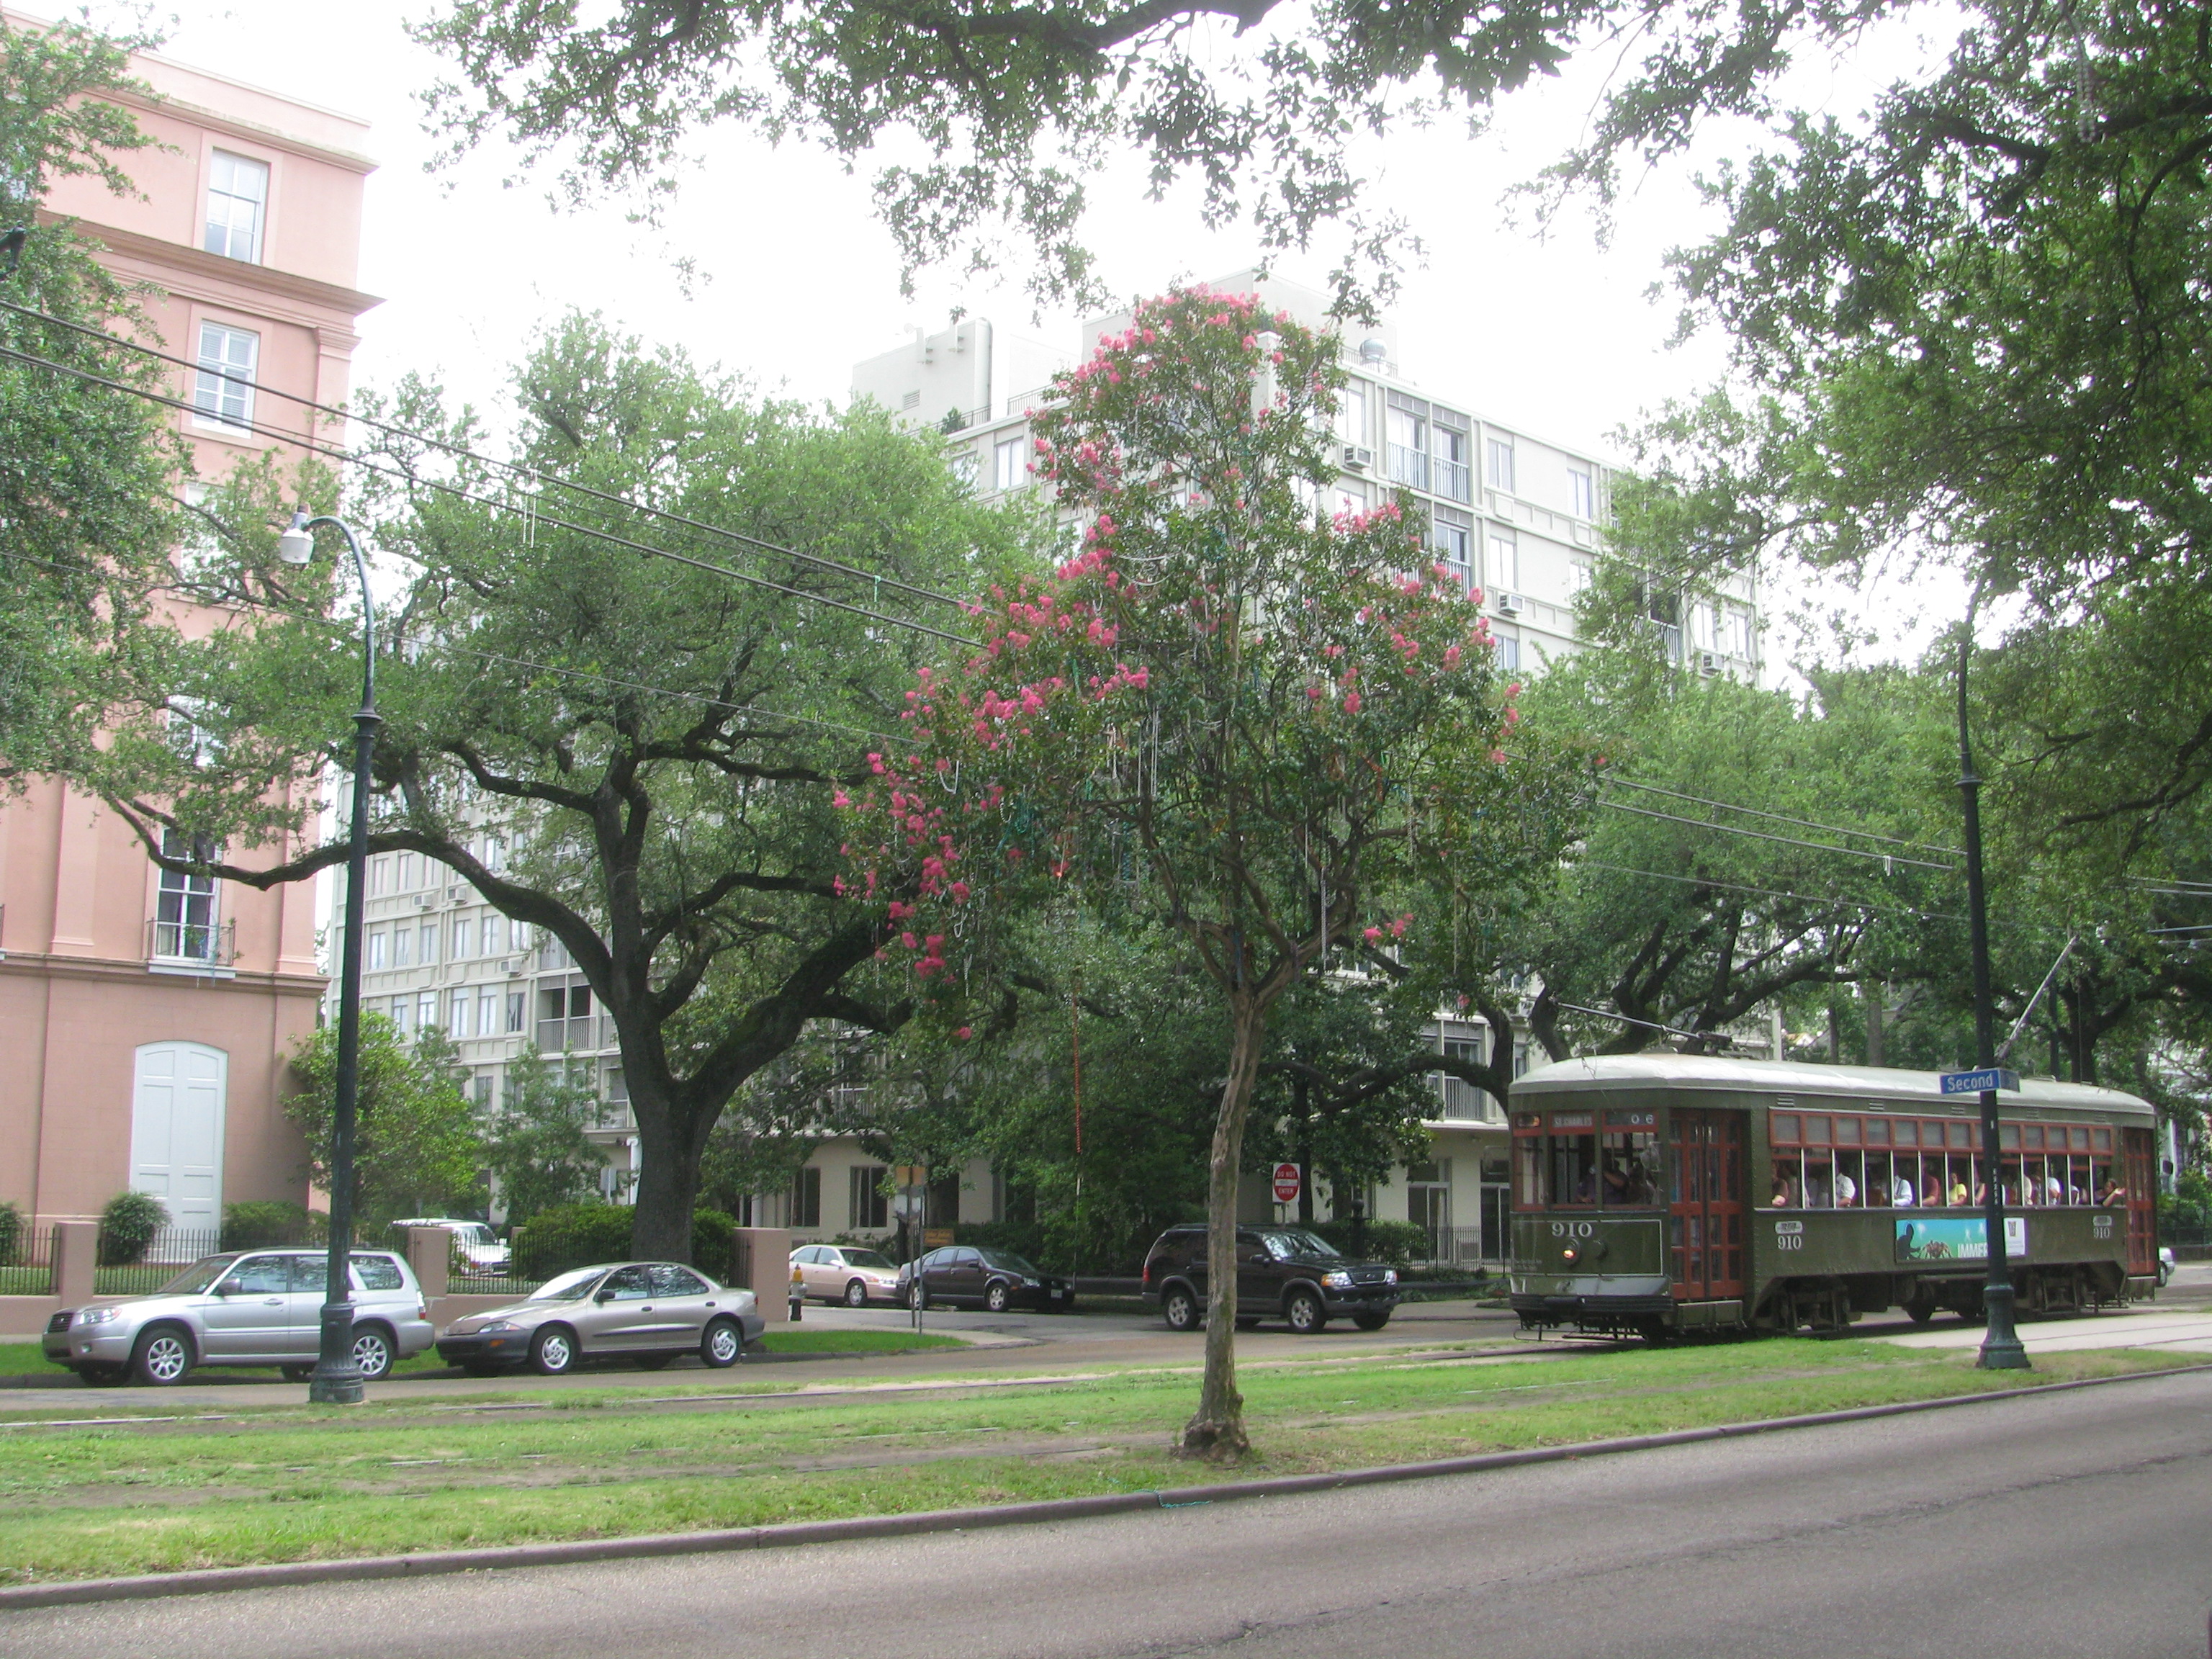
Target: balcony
x=197 y=945
x=1459 y=1101
x=1406 y=466
x=582 y=1034
x=1455 y=479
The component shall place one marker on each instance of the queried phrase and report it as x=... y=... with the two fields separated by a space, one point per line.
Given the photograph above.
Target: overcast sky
x=795 y=280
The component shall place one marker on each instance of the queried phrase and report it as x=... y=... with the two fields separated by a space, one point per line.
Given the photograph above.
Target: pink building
x=146 y=1019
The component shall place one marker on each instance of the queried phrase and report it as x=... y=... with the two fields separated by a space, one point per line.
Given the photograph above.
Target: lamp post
x=2000 y=1348
x=338 y=1378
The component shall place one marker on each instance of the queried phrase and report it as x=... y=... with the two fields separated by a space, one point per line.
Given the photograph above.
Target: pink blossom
x=1351 y=703
x=1372 y=934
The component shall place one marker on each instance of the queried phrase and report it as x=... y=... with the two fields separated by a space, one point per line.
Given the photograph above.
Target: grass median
x=291 y=1482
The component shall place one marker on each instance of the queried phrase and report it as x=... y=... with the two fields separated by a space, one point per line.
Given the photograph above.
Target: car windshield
x=868 y=1259
x=1007 y=1261
x=569 y=1287
x=197 y=1278
x=1284 y=1243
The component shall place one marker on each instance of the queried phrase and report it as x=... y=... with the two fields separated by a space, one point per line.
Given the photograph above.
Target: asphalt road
x=2064 y=1524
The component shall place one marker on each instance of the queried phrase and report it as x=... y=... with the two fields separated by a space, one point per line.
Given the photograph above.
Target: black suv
x=1283 y=1272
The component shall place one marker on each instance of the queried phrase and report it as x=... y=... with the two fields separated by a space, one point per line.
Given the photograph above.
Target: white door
x=176 y=1132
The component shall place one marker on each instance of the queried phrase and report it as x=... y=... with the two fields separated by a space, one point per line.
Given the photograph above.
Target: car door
x=817 y=1267
x=934 y=1272
x=962 y=1276
x=682 y=1304
x=310 y=1290
x=249 y=1315
x=613 y=1321
x=1259 y=1276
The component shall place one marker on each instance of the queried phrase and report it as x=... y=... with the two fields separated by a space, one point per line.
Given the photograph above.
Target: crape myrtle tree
x=1259 y=727
x=633 y=756
x=87 y=521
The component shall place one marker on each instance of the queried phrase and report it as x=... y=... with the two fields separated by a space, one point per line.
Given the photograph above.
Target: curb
x=431 y=1563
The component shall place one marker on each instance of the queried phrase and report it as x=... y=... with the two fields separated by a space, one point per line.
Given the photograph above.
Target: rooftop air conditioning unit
x=1709 y=662
x=1355 y=458
x=1512 y=605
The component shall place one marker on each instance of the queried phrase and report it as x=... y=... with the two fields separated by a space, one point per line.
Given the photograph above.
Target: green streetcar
x=1659 y=1193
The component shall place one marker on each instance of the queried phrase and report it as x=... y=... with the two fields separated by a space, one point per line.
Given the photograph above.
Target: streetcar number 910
x=1574 y=1229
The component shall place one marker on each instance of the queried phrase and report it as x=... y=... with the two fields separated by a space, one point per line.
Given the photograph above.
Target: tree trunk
x=1217 y=1432
x=667 y=1180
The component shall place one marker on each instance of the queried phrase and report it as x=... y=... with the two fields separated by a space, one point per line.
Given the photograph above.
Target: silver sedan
x=649 y=1312
x=845 y=1273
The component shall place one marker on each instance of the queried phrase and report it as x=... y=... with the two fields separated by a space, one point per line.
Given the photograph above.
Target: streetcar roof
x=1723 y=1071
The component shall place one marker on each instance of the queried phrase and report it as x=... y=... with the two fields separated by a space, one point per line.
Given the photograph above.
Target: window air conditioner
x=457 y=894
x=512 y=967
x=1355 y=458
x=1709 y=662
x=1512 y=605
x=422 y=901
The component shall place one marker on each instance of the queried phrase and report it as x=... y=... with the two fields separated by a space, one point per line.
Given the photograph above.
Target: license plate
x=1056 y=1295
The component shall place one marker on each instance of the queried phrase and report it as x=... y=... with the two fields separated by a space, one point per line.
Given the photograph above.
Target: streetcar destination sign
x=1975 y=1083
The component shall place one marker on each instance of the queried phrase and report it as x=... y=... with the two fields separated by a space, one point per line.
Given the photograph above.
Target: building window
x=406 y=882
x=1504 y=572
x=807 y=1198
x=238 y=200
x=378 y=870
x=401 y=1007
x=1455 y=544
x=426 y=1011
x=460 y=938
x=1455 y=455
x=402 y=939
x=488 y=936
x=429 y=943
x=222 y=390
x=487 y=1012
x=1501 y=464
x=1509 y=651
x=1352 y=412
x=375 y=949
x=1345 y=501
x=1405 y=452
x=480 y=1090
x=1008 y=466
x=514 y=1009
x=870 y=1206
x=184 y=914
x=462 y=1025
x=1582 y=493
x=1578 y=576
x=1736 y=637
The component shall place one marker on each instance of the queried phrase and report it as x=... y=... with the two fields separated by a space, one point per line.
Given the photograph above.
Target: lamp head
x=296 y=545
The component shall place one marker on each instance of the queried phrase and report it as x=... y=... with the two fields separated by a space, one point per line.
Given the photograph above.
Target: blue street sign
x=1975 y=1083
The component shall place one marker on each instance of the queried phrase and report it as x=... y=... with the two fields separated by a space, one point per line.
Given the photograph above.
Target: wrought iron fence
x=134 y=1267
x=27 y=1261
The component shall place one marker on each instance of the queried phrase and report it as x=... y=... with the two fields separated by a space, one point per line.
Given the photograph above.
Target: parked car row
x=265 y=1308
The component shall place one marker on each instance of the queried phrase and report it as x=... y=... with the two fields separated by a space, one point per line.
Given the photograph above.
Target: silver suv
x=249 y=1308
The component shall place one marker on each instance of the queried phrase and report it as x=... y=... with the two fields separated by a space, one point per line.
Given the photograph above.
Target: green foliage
x=128 y=1225
x=713 y=1234
x=572 y=1235
x=12 y=1233
x=536 y=1146
x=1397 y=1243
x=415 y=1144
x=86 y=512
x=271 y=1221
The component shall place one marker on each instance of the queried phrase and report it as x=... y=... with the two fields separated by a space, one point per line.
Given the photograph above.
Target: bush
x=574 y=1236
x=1023 y=1238
x=712 y=1234
x=258 y=1222
x=1394 y=1241
x=127 y=1226
x=12 y=1232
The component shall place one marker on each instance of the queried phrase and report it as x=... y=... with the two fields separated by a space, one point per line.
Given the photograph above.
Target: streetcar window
x=1572 y=1167
x=2032 y=1136
x=1816 y=1131
x=2103 y=1139
x=1847 y=1132
x=1904 y=1132
x=2009 y=1137
x=1877 y=1131
x=1959 y=1135
x=2078 y=1139
x=1785 y=1126
x=1629 y=1176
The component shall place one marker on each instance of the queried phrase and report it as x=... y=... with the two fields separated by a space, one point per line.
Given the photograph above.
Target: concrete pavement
x=2064 y=1524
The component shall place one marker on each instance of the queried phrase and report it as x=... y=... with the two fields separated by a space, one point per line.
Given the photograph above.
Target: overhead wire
x=1777 y=818
x=1772 y=892
x=336 y=452
x=1885 y=858
x=462 y=452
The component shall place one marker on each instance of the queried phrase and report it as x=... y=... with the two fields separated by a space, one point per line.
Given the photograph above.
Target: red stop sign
x=1286 y=1183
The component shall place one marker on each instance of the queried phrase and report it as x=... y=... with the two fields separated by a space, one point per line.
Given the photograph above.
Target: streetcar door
x=1705 y=1204
x=2143 y=1202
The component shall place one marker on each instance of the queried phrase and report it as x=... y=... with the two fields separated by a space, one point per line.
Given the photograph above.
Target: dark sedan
x=969 y=1275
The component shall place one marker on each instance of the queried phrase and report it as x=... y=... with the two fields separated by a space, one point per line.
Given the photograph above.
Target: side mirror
x=229 y=1287
x=604 y=1296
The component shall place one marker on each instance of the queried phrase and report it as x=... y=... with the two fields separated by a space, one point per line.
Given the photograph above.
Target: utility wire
x=1884 y=859
x=1777 y=817
x=462 y=452
x=608 y=535
x=1772 y=892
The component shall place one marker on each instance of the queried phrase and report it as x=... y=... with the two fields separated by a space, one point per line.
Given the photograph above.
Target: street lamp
x=2000 y=1348
x=338 y=1378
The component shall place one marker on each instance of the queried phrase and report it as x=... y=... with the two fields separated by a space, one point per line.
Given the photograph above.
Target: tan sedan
x=649 y=1311
x=845 y=1273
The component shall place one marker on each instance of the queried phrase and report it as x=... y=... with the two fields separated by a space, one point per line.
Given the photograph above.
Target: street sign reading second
x=1286 y=1183
x=1975 y=1083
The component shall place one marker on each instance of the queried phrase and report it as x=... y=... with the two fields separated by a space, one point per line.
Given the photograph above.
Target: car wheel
x=917 y=1296
x=373 y=1352
x=162 y=1356
x=723 y=1345
x=1179 y=1308
x=2165 y=1272
x=1370 y=1322
x=1306 y=1314
x=553 y=1351
x=653 y=1362
x=996 y=1297
x=856 y=1295
x=298 y=1373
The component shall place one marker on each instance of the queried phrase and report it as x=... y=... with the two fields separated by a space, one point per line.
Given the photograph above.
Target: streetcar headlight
x=1569 y=1255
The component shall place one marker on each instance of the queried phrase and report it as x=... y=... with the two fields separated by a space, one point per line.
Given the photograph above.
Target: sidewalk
x=2168 y=1329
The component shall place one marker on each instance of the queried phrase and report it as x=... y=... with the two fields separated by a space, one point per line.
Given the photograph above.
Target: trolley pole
x=2001 y=1346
